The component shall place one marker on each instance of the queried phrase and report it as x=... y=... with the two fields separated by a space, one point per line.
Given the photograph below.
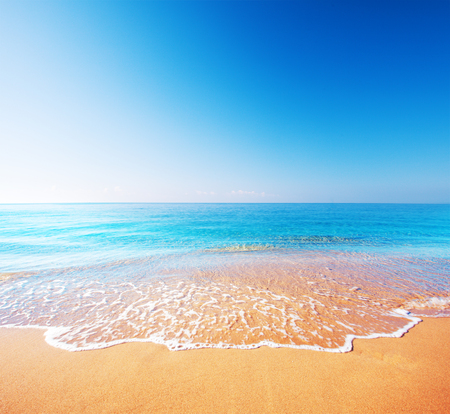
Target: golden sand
x=388 y=375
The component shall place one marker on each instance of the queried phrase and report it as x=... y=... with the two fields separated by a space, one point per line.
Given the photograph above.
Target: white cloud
x=240 y=192
x=251 y=193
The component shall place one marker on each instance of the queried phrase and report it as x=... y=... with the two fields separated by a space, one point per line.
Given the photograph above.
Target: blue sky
x=308 y=101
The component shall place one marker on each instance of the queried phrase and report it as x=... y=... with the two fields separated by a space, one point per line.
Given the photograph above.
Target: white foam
x=52 y=332
x=402 y=311
x=211 y=312
x=430 y=302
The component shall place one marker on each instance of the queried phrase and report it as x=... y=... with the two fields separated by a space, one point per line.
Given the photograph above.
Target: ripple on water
x=312 y=300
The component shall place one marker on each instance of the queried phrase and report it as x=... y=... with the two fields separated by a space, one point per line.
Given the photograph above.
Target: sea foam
x=302 y=301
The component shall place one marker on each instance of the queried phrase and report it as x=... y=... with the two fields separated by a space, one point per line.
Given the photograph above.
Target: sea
x=306 y=276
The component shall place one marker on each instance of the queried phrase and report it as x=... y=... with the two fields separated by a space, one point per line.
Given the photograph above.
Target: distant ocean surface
x=311 y=276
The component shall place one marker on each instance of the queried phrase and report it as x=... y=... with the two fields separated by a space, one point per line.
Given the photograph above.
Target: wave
x=433 y=306
x=242 y=248
x=315 y=300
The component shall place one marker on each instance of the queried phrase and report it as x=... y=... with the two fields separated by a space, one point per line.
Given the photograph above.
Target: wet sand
x=387 y=375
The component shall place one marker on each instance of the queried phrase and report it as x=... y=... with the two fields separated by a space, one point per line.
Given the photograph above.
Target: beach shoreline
x=408 y=374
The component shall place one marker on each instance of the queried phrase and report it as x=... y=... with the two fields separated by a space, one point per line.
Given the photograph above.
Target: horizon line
x=225 y=202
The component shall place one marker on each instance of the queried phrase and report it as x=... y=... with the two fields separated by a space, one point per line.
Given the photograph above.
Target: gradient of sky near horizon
x=308 y=101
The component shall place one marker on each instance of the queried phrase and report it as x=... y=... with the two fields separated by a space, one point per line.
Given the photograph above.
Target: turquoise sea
x=222 y=275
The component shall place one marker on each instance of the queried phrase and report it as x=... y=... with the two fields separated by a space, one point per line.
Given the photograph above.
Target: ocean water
x=311 y=276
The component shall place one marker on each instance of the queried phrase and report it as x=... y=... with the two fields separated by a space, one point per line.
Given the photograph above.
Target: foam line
x=294 y=301
x=172 y=345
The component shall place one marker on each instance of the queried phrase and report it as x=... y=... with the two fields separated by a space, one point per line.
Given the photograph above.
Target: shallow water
x=189 y=276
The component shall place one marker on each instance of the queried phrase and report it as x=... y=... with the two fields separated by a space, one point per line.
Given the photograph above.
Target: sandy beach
x=387 y=375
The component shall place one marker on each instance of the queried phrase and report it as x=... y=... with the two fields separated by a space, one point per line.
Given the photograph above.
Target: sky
x=225 y=101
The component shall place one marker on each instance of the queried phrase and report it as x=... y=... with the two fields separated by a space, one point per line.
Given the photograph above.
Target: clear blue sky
x=301 y=101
